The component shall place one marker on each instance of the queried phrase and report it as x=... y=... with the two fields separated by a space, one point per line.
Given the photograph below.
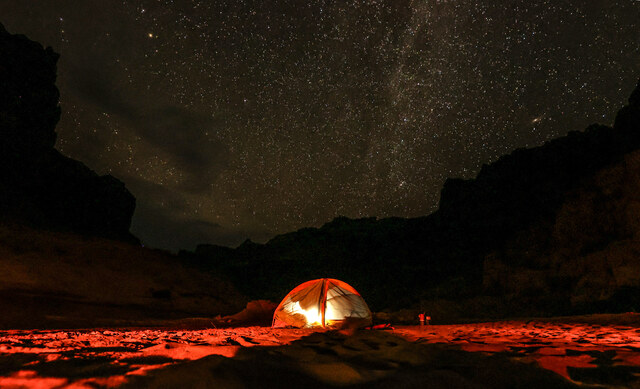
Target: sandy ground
x=513 y=354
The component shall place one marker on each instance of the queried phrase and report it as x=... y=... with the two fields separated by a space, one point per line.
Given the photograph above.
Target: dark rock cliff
x=512 y=203
x=586 y=255
x=529 y=184
x=40 y=187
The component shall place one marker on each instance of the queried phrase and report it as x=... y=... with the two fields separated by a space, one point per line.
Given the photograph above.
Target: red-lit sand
x=470 y=355
x=553 y=346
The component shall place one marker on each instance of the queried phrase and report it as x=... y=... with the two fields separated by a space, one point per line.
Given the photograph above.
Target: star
x=235 y=120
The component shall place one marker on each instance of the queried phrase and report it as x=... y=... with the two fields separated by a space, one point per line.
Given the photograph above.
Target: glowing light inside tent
x=325 y=302
x=342 y=304
x=331 y=313
x=313 y=315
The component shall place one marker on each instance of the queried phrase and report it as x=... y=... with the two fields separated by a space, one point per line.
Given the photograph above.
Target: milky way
x=236 y=119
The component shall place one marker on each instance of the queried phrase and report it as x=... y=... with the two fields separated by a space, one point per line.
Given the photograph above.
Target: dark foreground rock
x=366 y=359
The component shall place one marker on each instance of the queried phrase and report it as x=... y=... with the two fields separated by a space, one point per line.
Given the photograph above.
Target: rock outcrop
x=61 y=262
x=538 y=216
x=61 y=280
x=586 y=255
x=39 y=187
x=531 y=184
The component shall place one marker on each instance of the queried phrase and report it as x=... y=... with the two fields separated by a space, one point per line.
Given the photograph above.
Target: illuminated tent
x=324 y=302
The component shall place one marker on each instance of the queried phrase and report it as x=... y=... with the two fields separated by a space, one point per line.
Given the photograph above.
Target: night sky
x=244 y=119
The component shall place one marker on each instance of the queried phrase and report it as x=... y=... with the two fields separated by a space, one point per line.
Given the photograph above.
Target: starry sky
x=244 y=119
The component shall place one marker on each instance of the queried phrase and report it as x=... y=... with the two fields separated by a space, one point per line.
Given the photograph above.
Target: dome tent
x=325 y=302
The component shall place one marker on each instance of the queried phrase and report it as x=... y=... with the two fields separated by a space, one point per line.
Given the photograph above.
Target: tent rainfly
x=325 y=302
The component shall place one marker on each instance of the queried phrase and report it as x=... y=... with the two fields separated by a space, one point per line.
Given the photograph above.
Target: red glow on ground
x=29 y=378
x=108 y=357
x=554 y=346
x=123 y=352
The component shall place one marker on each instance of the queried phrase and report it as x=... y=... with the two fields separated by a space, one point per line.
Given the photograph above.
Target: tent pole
x=323 y=301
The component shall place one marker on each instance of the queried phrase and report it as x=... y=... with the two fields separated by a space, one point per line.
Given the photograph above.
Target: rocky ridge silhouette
x=550 y=230
x=514 y=203
x=585 y=255
x=65 y=249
